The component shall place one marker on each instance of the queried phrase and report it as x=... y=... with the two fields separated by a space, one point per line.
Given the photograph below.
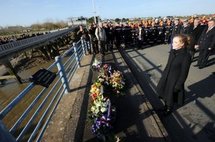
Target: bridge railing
x=22 y=44
x=30 y=124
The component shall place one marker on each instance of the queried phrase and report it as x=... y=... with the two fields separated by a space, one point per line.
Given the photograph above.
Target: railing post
x=64 y=79
x=89 y=44
x=5 y=135
x=76 y=54
x=83 y=45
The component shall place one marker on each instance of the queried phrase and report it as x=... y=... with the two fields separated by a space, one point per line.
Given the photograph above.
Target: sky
x=27 y=12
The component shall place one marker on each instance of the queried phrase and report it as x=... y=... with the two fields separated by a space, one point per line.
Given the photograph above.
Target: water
x=12 y=88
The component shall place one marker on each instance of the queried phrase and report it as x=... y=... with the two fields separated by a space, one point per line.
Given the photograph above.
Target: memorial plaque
x=43 y=77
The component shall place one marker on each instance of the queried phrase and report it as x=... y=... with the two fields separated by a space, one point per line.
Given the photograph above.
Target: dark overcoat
x=206 y=39
x=171 y=85
x=196 y=33
x=175 y=31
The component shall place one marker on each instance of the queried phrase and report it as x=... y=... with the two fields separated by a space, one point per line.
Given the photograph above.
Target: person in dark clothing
x=146 y=34
x=168 y=32
x=185 y=28
x=171 y=85
x=126 y=35
x=175 y=30
x=93 y=39
x=153 y=34
x=196 y=30
x=118 y=35
x=80 y=33
x=111 y=36
x=161 y=33
x=83 y=33
x=206 y=44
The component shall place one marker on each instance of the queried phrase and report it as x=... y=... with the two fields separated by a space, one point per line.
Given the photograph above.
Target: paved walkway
x=195 y=121
x=136 y=120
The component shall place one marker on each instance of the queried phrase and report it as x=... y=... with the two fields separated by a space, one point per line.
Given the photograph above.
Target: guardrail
x=45 y=101
x=14 y=46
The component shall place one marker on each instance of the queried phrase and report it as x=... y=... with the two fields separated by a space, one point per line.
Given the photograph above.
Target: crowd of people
x=188 y=40
x=149 y=32
x=185 y=36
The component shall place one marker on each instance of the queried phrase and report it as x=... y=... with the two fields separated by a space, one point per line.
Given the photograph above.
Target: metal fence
x=40 y=110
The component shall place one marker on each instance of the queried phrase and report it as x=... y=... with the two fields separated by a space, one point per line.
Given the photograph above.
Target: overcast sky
x=27 y=12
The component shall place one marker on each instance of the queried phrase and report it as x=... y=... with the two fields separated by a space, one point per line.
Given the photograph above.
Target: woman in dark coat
x=171 y=85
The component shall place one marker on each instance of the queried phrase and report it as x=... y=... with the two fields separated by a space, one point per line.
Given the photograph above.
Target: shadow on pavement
x=178 y=129
x=133 y=118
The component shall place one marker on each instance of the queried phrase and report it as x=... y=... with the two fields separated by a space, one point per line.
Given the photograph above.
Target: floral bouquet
x=96 y=65
x=99 y=106
x=117 y=81
x=102 y=124
x=103 y=79
x=102 y=111
x=95 y=90
x=107 y=69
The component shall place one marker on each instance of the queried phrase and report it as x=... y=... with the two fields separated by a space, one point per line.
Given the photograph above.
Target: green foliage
x=125 y=19
x=90 y=20
x=47 y=26
x=117 y=20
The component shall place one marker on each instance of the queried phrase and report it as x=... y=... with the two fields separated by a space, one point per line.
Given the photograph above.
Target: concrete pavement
x=195 y=121
x=136 y=120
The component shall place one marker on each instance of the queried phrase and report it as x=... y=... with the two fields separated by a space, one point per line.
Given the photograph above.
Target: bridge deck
x=136 y=120
x=8 y=49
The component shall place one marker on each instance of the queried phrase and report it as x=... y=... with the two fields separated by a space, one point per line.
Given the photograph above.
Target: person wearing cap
x=168 y=31
x=206 y=44
x=176 y=29
x=186 y=28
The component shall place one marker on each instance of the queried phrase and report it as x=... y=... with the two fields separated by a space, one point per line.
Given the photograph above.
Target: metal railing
x=15 y=46
x=45 y=101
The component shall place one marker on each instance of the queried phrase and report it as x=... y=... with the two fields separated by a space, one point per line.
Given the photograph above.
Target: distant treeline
x=47 y=26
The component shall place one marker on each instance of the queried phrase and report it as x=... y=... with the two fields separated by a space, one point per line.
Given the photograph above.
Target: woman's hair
x=184 y=39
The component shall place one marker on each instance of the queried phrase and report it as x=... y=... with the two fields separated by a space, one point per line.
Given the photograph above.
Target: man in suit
x=186 y=27
x=206 y=43
x=196 y=31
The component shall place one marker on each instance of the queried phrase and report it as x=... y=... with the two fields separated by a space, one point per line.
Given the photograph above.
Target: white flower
x=103 y=109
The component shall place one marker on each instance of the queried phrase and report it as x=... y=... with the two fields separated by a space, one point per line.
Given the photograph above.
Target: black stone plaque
x=43 y=77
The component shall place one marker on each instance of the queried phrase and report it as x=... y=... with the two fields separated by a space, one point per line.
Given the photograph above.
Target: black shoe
x=196 y=65
x=201 y=67
x=167 y=112
x=162 y=109
x=160 y=97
